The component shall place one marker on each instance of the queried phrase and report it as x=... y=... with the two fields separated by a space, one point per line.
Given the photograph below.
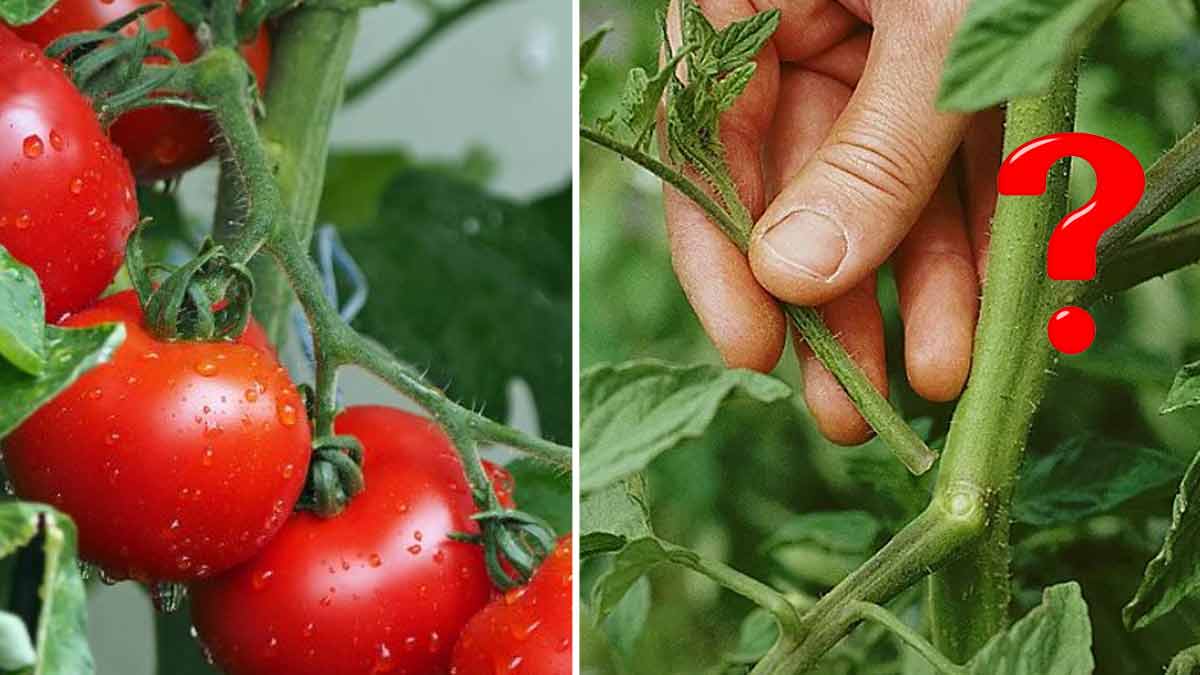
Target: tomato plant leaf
x=1007 y=49
x=61 y=634
x=1185 y=390
x=1087 y=476
x=590 y=45
x=836 y=531
x=758 y=632
x=1174 y=573
x=635 y=560
x=21 y=12
x=1054 y=637
x=543 y=491
x=179 y=653
x=22 y=312
x=610 y=517
x=473 y=287
x=624 y=625
x=16 y=647
x=1186 y=662
x=637 y=410
x=70 y=354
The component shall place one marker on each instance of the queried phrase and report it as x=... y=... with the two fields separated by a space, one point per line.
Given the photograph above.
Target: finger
x=844 y=61
x=981 y=150
x=809 y=27
x=741 y=319
x=939 y=297
x=856 y=320
x=854 y=201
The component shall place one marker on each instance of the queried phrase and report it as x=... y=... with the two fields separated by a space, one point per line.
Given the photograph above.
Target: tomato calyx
x=335 y=475
x=111 y=68
x=514 y=544
x=179 y=303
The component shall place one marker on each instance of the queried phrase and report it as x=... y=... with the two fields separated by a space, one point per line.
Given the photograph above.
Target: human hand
x=837 y=149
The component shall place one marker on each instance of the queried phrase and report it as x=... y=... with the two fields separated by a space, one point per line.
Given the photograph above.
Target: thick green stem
x=308 y=68
x=951 y=520
x=876 y=409
x=441 y=21
x=970 y=597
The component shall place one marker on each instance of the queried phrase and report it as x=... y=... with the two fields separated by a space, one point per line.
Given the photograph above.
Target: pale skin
x=839 y=152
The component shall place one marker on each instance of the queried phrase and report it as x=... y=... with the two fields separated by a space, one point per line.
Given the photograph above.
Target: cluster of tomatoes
x=182 y=461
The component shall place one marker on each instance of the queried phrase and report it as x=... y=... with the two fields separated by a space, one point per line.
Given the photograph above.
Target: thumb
x=853 y=202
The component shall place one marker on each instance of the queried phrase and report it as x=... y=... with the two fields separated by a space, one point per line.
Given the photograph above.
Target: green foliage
x=543 y=491
x=1008 y=49
x=21 y=12
x=1175 y=572
x=1053 y=638
x=1185 y=391
x=635 y=411
x=611 y=517
x=439 y=241
x=60 y=635
x=1088 y=476
x=22 y=331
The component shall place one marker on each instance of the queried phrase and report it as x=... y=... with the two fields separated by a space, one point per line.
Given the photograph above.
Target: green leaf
x=21 y=12
x=635 y=560
x=591 y=45
x=70 y=353
x=1186 y=662
x=633 y=120
x=1008 y=49
x=635 y=411
x=22 y=316
x=543 y=491
x=757 y=635
x=1054 y=637
x=852 y=532
x=61 y=633
x=741 y=41
x=1185 y=390
x=473 y=287
x=16 y=647
x=732 y=85
x=1088 y=476
x=625 y=624
x=610 y=517
x=1174 y=573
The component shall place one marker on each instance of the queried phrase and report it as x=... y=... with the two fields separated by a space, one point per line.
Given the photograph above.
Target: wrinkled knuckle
x=881 y=160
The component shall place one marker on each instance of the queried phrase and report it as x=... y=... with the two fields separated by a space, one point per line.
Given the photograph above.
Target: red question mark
x=1071 y=253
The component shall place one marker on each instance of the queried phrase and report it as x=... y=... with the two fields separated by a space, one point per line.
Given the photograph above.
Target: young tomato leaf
x=590 y=45
x=21 y=12
x=70 y=353
x=1186 y=662
x=474 y=287
x=1007 y=49
x=61 y=635
x=837 y=531
x=1174 y=573
x=635 y=411
x=757 y=634
x=1185 y=390
x=611 y=517
x=22 y=312
x=1054 y=637
x=634 y=561
x=1088 y=476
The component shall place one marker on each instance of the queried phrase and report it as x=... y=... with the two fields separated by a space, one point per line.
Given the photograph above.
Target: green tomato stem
x=970 y=597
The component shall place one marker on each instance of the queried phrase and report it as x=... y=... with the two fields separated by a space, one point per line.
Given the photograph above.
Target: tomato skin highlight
x=378 y=589
x=177 y=460
x=67 y=201
x=159 y=142
x=528 y=629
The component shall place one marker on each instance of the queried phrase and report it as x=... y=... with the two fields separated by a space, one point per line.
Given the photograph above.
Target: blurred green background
x=760 y=466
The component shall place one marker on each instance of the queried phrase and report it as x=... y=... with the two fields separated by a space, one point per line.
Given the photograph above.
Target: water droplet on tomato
x=522 y=633
x=206 y=368
x=251 y=395
x=384 y=663
x=287 y=414
x=24 y=220
x=260 y=578
x=439 y=557
x=206 y=458
x=415 y=549
x=289 y=470
x=76 y=185
x=56 y=141
x=309 y=629
x=418 y=535
x=374 y=560
x=564 y=644
x=514 y=664
x=435 y=642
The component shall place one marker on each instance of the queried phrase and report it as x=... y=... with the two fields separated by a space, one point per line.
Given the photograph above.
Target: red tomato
x=379 y=589
x=502 y=482
x=159 y=142
x=67 y=202
x=528 y=630
x=177 y=460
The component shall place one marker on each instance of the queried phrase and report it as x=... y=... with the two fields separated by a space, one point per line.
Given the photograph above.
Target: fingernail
x=808 y=242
